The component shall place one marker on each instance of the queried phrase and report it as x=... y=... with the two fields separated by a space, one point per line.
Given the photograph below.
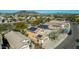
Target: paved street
x=69 y=42
x=75 y=31
x=75 y=34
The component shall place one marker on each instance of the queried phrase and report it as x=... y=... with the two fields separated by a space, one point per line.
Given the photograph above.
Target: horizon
x=44 y=11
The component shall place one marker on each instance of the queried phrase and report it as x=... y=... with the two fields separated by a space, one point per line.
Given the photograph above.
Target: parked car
x=70 y=32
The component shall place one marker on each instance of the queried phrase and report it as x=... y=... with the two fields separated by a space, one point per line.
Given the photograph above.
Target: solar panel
x=32 y=29
x=43 y=26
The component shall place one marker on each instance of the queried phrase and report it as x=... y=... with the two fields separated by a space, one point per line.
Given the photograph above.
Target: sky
x=45 y=11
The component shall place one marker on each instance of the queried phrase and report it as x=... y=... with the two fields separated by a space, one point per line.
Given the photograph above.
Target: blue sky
x=59 y=11
x=46 y=11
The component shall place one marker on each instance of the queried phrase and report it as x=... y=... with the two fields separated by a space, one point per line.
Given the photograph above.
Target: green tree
x=77 y=19
x=20 y=26
x=20 y=19
x=4 y=27
x=47 y=19
x=34 y=22
x=70 y=17
x=53 y=35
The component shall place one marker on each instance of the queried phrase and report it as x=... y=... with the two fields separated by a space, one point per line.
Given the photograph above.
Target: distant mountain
x=27 y=12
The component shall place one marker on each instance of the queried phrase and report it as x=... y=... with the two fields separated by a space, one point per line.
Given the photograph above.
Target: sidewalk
x=53 y=44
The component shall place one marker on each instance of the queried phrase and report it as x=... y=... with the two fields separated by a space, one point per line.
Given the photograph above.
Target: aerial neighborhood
x=32 y=30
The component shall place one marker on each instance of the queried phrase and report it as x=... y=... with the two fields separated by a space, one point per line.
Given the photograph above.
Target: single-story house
x=17 y=40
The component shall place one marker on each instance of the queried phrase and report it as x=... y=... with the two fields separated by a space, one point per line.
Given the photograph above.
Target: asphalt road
x=75 y=30
x=74 y=36
x=70 y=42
x=75 y=33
